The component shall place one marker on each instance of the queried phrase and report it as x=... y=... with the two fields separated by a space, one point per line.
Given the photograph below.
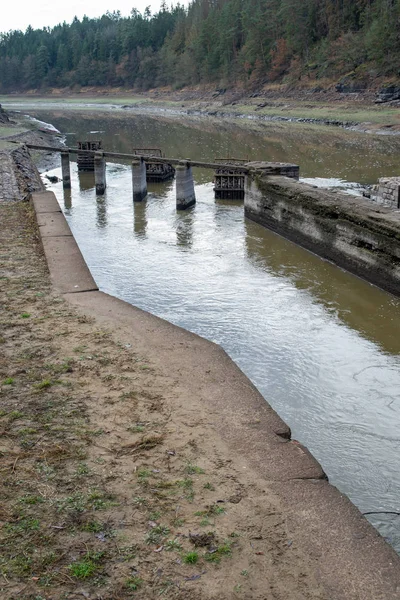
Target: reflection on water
x=320 y=151
x=322 y=345
x=140 y=219
x=86 y=181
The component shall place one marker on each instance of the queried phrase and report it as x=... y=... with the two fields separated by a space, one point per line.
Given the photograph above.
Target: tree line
x=221 y=42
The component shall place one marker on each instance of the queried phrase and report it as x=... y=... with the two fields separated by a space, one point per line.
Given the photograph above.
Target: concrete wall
x=350 y=231
x=387 y=192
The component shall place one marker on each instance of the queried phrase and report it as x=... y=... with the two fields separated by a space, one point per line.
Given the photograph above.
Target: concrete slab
x=53 y=224
x=45 y=202
x=68 y=269
x=354 y=561
x=235 y=407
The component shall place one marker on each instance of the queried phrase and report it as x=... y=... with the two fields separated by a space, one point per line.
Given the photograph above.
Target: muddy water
x=321 y=345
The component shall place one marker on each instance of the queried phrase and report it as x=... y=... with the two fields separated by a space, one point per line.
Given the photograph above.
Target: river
x=320 y=344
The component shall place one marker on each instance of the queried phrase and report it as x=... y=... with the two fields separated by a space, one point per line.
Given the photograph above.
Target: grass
x=190 y=558
x=216 y=555
x=87 y=567
x=133 y=583
x=156 y=534
x=31 y=500
x=173 y=545
x=193 y=469
x=43 y=385
x=8 y=381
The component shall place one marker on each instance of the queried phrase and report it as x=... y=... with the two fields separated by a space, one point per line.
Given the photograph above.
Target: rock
x=350 y=87
x=3 y=116
x=52 y=178
x=388 y=94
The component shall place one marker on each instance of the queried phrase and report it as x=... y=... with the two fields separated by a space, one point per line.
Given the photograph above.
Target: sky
x=18 y=14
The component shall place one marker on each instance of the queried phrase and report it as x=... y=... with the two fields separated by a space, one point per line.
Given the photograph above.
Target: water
x=321 y=345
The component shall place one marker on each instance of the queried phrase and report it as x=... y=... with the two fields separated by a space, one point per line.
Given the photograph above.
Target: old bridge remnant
x=86 y=152
x=228 y=181
x=156 y=171
x=185 y=195
x=139 y=180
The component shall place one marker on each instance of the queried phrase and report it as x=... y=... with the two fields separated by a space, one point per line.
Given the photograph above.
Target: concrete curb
x=354 y=561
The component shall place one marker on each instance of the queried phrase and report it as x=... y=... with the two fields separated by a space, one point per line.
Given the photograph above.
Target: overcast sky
x=18 y=14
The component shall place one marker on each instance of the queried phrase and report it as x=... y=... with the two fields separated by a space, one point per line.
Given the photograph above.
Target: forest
x=226 y=43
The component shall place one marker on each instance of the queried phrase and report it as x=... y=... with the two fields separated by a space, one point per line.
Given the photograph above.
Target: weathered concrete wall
x=3 y=116
x=348 y=230
x=275 y=168
x=387 y=192
x=18 y=175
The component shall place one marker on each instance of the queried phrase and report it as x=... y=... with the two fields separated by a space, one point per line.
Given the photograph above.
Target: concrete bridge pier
x=139 y=183
x=185 y=196
x=65 y=170
x=100 y=173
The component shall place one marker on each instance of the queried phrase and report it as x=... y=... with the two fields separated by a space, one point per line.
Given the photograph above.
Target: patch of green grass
x=156 y=534
x=244 y=573
x=216 y=555
x=24 y=525
x=15 y=414
x=173 y=545
x=143 y=474
x=215 y=509
x=83 y=569
x=135 y=428
x=133 y=583
x=154 y=516
x=92 y=527
x=128 y=552
x=79 y=502
x=25 y=315
x=193 y=469
x=139 y=501
x=8 y=381
x=209 y=486
x=191 y=558
x=204 y=522
x=82 y=469
x=42 y=385
x=31 y=500
x=186 y=483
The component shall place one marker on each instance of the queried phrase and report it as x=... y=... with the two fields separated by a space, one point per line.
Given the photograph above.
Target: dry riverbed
x=112 y=484
x=273 y=102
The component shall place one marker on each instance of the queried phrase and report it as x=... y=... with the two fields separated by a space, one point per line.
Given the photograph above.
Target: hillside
x=228 y=43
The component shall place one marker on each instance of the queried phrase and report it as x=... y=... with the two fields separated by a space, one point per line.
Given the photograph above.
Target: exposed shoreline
x=348 y=111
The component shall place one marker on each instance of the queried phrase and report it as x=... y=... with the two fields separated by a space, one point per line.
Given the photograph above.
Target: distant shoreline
x=352 y=111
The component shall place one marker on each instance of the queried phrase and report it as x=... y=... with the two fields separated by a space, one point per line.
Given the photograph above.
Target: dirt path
x=113 y=484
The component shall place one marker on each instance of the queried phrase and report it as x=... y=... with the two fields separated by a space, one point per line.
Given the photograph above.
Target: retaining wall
x=387 y=192
x=350 y=231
